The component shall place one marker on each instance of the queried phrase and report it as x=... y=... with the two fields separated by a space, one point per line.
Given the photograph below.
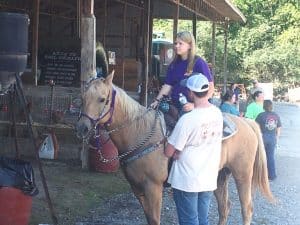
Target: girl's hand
x=154 y=104
x=188 y=107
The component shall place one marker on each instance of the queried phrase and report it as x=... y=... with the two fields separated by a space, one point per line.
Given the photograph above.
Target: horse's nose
x=81 y=130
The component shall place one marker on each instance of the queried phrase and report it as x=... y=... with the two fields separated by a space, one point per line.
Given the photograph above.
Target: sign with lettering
x=61 y=66
x=111 y=58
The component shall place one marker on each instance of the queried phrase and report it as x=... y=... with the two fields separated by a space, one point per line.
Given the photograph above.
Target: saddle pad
x=229 y=127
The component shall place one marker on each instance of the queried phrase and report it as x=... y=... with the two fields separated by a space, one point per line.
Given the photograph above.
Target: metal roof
x=210 y=10
x=227 y=9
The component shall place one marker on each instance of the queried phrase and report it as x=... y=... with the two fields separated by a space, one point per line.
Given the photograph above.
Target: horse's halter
x=102 y=113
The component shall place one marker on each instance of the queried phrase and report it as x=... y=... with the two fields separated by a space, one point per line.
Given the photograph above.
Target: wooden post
x=78 y=18
x=196 y=5
x=225 y=56
x=35 y=39
x=145 y=78
x=195 y=27
x=213 y=48
x=175 y=25
x=105 y=24
x=150 y=40
x=88 y=54
x=123 y=44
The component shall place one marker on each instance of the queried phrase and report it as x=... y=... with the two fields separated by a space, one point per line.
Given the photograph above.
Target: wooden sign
x=61 y=66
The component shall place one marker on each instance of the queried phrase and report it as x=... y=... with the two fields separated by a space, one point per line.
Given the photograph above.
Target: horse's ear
x=110 y=78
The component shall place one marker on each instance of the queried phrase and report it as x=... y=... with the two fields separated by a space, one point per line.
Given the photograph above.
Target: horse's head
x=96 y=105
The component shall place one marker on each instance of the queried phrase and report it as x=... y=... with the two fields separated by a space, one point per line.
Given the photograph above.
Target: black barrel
x=13 y=41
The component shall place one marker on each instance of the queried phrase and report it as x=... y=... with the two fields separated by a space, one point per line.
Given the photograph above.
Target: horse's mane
x=133 y=110
x=141 y=121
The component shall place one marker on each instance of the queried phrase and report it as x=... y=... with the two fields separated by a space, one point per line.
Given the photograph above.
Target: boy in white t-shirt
x=195 y=144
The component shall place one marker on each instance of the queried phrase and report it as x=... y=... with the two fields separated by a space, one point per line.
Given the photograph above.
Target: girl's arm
x=165 y=90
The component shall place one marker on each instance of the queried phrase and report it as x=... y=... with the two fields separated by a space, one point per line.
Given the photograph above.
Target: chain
x=132 y=148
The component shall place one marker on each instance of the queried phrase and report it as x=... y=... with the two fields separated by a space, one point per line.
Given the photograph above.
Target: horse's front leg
x=221 y=195
x=151 y=201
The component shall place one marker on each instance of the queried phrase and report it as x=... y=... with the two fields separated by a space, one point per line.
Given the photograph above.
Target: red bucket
x=15 y=207
x=103 y=146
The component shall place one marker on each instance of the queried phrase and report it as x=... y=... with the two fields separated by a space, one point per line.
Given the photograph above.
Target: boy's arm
x=278 y=131
x=170 y=150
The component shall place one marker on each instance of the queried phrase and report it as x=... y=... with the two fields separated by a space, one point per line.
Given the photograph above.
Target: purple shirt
x=176 y=72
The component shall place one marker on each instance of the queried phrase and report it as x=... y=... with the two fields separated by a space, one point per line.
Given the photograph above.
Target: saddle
x=229 y=127
x=171 y=116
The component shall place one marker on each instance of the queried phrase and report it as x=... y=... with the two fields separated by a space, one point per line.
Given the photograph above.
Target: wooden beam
x=105 y=24
x=35 y=39
x=88 y=56
x=132 y=3
x=146 y=54
x=88 y=7
x=213 y=49
x=195 y=26
x=78 y=18
x=225 y=57
x=123 y=44
x=201 y=8
x=176 y=18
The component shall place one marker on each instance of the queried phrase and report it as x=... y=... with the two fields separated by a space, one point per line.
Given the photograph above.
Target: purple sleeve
x=169 y=78
x=202 y=67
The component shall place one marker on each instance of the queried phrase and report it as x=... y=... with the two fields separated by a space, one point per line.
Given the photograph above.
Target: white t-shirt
x=198 y=135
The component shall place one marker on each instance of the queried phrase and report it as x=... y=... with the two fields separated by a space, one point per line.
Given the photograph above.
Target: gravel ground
x=124 y=209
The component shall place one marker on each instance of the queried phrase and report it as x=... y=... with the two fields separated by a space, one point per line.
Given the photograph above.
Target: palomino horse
x=134 y=128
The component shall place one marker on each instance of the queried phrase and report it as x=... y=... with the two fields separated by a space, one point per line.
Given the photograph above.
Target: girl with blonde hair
x=183 y=65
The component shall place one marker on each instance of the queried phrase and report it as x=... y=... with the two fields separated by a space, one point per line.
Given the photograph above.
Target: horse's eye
x=101 y=100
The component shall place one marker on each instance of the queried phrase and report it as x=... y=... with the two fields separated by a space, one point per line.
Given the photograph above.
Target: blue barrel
x=13 y=41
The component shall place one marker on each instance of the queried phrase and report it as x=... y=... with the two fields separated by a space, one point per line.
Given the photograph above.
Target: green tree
x=266 y=47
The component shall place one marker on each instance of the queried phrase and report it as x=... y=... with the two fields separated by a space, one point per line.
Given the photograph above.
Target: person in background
x=254 y=89
x=227 y=104
x=184 y=64
x=195 y=146
x=236 y=91
x=256 y=107
x=270 y=125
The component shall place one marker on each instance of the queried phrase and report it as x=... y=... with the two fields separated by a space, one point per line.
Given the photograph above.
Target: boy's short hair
x=200 y=94
x=268 y=105
x=256 y=94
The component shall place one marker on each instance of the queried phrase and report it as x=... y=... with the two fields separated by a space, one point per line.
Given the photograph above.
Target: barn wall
x=115 y=40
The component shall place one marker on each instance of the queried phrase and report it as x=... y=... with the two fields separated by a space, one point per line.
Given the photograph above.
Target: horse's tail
x=260 y=172
x=101 y=59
